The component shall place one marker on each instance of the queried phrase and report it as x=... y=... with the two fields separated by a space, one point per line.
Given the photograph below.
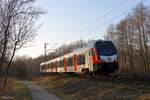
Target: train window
x=48 y=65
x=55 y=64
x=52 y=64
x=62 y=63
x=81 y=59
x=89 y=53
x=59 y=65
x=44 y=67
x=69 y=61
x=106 y=48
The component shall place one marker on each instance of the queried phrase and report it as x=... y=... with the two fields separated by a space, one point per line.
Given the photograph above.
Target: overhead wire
x=106 y=14
x=107 y=22
x=54 y=46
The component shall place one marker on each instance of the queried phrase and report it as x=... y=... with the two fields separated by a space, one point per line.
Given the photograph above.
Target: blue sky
x=71 y=20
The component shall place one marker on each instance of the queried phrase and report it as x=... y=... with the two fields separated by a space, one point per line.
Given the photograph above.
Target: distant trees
x=132 y=38
x=17 y=27
x=19 y=68
x=64 y=49
x=26 y=67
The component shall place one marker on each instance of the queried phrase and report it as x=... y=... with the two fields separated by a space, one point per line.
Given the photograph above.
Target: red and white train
x=97 y=57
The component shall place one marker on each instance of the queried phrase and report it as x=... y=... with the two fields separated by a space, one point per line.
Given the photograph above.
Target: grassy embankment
x=15 y=90
x=90 y=89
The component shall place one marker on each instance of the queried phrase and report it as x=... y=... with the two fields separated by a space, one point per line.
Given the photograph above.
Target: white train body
x=98 y=57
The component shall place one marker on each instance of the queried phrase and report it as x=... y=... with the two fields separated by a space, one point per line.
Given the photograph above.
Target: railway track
x=120 y=77
x=133 y=78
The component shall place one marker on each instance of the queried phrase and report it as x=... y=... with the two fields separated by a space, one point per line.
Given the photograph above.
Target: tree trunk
x=7 y=69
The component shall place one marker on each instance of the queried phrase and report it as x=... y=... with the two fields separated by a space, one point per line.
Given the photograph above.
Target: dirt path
x=38 y=93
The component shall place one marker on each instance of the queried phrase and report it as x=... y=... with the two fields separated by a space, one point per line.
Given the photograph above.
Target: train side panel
x=99 y=56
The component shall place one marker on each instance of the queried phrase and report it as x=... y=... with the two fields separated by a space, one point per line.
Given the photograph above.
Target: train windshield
x=105 y=48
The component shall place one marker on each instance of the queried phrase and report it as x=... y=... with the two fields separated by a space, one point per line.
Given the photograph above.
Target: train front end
x=107 y=55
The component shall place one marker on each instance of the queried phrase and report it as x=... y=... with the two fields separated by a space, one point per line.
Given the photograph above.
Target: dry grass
x=9 y=88
x=15 y=90
x=88 y=89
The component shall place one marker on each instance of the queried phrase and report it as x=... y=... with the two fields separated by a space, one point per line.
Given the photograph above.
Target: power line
x=56 y=44
x=106 y=14
x=105 y=23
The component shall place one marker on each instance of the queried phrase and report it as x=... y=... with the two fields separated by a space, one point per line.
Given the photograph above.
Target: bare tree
x=132 y=37
x=17 y=26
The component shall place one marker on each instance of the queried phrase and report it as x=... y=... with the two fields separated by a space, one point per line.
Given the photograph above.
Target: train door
x=87 y=59
x=90 y=64
x=81 y=61
x=70 y=64
x=62 y=69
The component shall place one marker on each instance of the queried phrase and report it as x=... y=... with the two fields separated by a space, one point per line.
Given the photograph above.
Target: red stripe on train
x=95 y=57
x=75 y=64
